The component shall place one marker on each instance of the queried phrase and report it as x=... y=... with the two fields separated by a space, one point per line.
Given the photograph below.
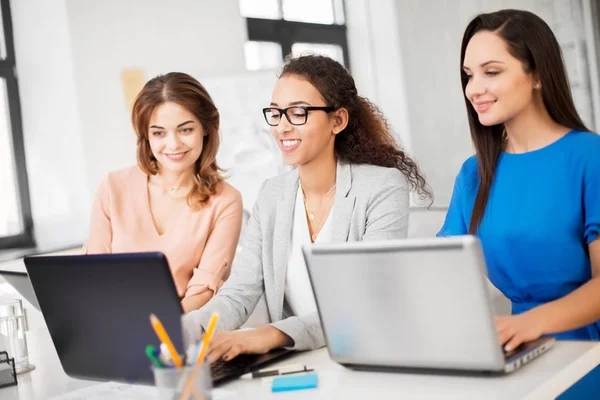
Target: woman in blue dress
x=532 y=191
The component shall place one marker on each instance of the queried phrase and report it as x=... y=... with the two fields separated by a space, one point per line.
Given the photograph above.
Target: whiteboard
x=248 y=152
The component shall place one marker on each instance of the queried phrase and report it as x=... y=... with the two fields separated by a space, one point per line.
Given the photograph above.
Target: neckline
x=146 y=187
x=541 y=149
x=301 y=211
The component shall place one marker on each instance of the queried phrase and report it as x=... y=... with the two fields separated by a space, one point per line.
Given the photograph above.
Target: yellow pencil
x=163 y=337
x=210 y=330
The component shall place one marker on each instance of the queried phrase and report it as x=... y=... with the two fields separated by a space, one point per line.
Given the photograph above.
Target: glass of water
x=12 y=332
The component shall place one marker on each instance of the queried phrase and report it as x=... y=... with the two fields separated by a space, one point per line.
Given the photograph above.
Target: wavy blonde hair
x=186 y=91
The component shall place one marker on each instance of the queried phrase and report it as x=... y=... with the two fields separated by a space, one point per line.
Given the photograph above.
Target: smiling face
x=175 y=136
x=300 y=144
x=498 y=87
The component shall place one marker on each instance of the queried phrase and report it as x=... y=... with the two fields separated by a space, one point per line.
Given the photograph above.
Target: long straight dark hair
x=530 y=40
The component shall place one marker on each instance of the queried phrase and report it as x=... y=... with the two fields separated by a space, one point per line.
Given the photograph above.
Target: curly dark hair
x=368 y=138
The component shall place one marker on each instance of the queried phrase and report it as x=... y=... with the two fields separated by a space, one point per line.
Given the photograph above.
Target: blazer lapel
x=343 y=204
x=284 y=216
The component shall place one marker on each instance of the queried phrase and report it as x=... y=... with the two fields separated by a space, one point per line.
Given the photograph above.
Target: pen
x=151 y=353
x=164 y=356
x=196 y=353
x=192 y=353
x=284 y=370
x=162 y=335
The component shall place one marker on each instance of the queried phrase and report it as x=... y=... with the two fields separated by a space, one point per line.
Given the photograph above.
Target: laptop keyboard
x=525 y=353
x=232 y=369
x=508 y=354
x=244 y=363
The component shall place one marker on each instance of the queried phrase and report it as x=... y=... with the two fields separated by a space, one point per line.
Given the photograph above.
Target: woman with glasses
x=175 y=200
x=351 y=183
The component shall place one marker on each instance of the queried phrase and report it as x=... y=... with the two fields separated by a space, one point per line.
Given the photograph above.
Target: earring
x=537 y=85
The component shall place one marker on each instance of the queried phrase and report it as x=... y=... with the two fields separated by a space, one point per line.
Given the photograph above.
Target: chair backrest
x=425 y=222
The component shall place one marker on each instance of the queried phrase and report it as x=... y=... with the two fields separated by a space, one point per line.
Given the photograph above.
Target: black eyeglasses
x=296 y=115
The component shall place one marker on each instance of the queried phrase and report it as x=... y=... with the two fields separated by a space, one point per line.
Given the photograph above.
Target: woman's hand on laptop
x=515 y=330
x=228 y=345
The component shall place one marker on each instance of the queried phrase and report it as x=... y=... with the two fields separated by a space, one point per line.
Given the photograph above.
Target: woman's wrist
x=195 y=302
x=542 y=318
x=276 y=338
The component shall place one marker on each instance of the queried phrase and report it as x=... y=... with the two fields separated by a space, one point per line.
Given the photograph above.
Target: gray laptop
x=416 y=304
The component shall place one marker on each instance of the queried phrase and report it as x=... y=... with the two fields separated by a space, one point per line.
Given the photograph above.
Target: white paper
x=111 y=390
x=122 y=391
x=218 y=394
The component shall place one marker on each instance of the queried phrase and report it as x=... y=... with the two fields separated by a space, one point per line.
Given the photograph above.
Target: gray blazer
x=371 y=203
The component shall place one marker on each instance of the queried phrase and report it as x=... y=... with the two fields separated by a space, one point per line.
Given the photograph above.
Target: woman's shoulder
x=122 y=180
x=277 y=183
x=469 y=166
x=468 y=175
x=273 y=188
x=226 y=193
x=589 y=142
x=375 y=176
x=126 y=174
x=584 y=137
x=586 y=149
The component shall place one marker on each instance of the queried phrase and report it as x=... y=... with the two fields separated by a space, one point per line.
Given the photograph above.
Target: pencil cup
x=171 y=382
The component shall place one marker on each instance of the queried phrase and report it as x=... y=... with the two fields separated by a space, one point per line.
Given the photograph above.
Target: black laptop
x=97 y=310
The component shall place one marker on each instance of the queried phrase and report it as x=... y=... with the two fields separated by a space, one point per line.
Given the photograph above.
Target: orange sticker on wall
x=133 y=82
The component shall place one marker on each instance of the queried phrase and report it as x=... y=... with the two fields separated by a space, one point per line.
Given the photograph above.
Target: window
x=262 y=55
x=277 y=28
x=330 y=50
x=16 y=226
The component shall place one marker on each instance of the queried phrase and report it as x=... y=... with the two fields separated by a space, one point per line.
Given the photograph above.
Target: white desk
x=544 y=378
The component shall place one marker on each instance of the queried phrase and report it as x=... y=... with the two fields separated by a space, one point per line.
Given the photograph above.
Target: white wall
x=429 y=43
x=402 y=53
x=565 y=18
x=430 y=34
x=199 y=37
x=70 y=54
x=375 y=58
x=51 y=122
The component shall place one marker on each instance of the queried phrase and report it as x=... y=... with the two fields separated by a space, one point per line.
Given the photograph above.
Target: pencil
x=210 y=330
x=162 y=335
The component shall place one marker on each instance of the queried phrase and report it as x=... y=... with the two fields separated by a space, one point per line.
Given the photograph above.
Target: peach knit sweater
x=199 y=245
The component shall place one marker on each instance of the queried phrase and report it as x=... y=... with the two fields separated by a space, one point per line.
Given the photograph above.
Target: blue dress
x=543 y=211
